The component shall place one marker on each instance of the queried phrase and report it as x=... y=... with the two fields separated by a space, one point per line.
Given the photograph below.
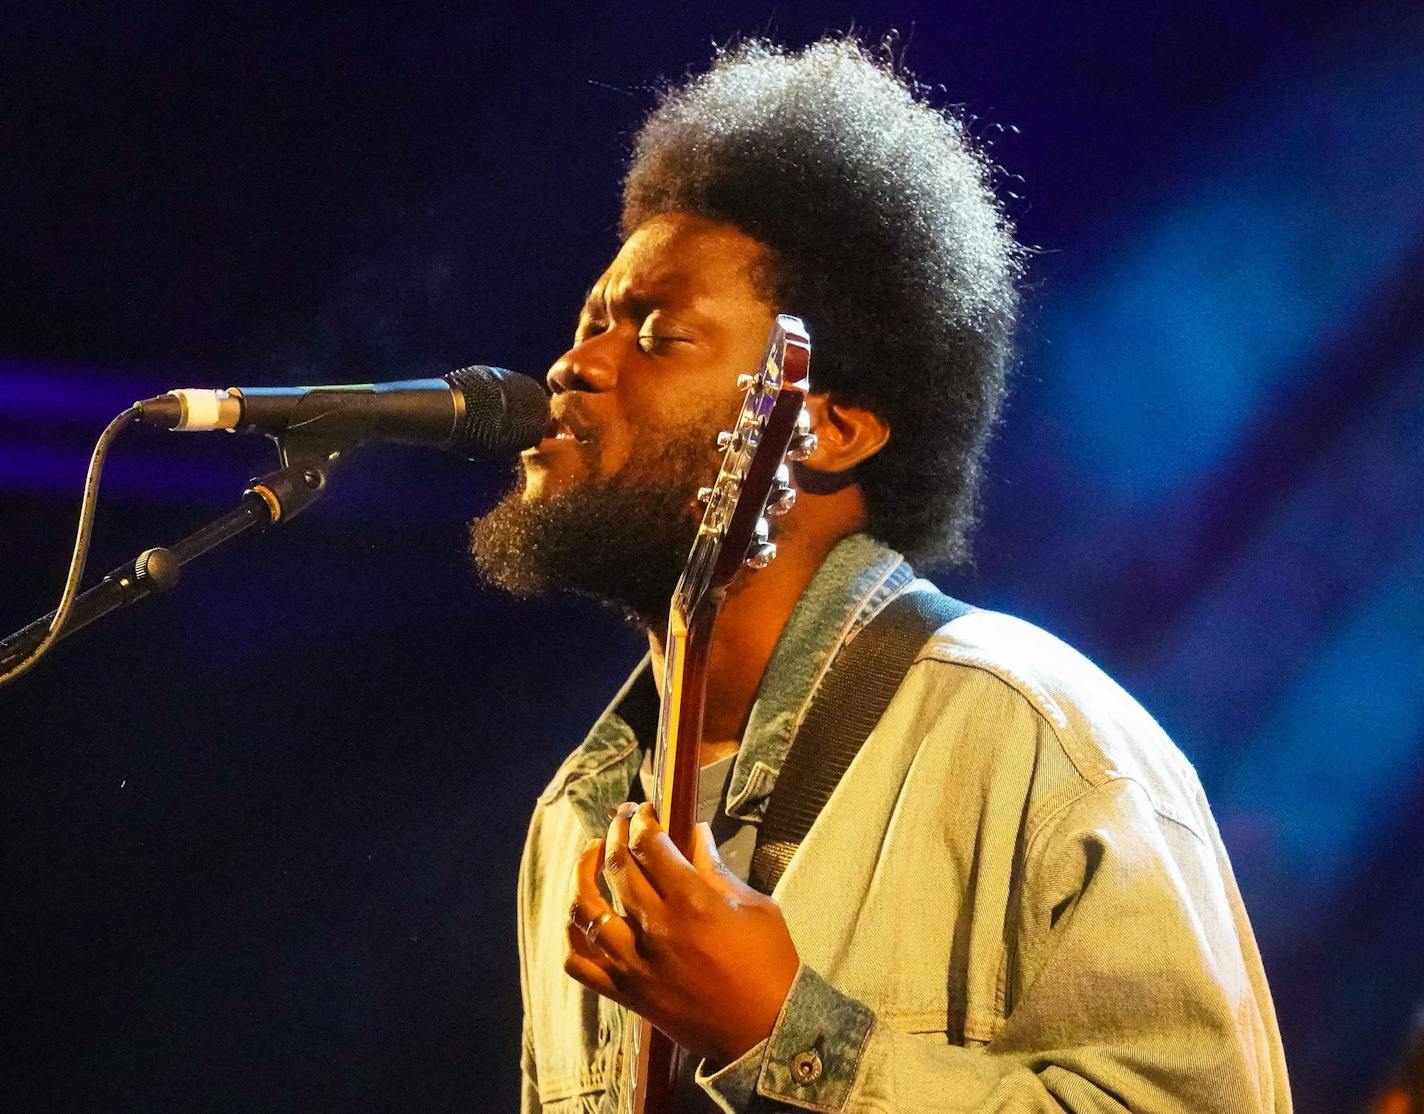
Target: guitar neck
x=676 y=763
x=684 y=697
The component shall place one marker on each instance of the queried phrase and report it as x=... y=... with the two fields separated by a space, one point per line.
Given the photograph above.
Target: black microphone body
x=479 y=411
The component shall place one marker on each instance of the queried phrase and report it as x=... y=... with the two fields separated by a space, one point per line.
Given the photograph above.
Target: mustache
x=573 y=417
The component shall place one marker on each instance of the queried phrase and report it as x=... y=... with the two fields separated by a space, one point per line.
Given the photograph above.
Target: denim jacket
x=1015 y=900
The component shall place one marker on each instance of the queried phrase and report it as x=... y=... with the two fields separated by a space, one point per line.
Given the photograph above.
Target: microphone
x=478 y=411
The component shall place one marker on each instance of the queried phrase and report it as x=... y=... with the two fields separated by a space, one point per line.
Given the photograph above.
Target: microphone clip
x=307 y=463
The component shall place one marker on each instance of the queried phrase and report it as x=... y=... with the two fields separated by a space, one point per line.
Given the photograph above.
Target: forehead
x=676 y=257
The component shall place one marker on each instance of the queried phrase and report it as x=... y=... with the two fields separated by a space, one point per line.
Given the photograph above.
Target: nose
x=588 y=366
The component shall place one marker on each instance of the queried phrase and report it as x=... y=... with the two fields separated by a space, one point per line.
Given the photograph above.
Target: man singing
x=1016 y=899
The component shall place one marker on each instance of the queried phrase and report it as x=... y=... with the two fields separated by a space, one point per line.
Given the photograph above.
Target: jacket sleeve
x=1130 y=988
x=528 y=1080
x=528 y=1065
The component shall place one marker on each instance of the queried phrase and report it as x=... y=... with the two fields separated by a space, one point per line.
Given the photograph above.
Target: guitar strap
x=852 y=697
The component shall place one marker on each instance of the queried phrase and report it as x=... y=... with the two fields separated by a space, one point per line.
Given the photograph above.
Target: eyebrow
x=636 y=302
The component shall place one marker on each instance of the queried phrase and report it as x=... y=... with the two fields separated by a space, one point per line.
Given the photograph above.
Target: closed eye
x=652 y=343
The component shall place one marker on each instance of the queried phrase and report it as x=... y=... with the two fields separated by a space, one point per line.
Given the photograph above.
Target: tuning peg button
x=802 y=445
x=730 y=439
x=760 y=555
x=781 y=500
x=704 y=495
x=748 y=382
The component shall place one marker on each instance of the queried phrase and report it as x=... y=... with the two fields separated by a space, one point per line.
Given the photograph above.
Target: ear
x=845 y=435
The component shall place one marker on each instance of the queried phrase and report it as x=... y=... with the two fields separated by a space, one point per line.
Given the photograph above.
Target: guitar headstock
x=753 y=482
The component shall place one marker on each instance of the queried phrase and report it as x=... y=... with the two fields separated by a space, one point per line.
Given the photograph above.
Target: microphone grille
x=505 y=412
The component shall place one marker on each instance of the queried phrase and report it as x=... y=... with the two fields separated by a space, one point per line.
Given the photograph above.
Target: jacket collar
x=858 y=577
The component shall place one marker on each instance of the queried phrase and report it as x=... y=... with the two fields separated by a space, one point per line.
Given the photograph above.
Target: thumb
x=705 y=858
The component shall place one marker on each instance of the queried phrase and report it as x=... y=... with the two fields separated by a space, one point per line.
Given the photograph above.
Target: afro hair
x=883 y=232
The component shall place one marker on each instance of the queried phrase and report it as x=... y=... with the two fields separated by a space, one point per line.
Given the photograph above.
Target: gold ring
x=595 y=926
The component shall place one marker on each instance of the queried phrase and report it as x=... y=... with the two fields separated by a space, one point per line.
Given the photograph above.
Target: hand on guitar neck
x=700 y=954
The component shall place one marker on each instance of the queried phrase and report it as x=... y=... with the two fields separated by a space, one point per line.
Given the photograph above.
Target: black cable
x=81 y=544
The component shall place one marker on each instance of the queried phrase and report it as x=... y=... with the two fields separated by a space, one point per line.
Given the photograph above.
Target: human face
x=607 y=504
x=660 y=341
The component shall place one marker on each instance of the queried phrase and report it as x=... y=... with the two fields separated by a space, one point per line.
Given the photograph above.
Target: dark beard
x=621 y=540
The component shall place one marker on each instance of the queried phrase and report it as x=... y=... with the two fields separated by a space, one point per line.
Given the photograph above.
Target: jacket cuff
x=811 y=1058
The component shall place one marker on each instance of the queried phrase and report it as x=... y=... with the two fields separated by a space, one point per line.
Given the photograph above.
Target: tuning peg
x=781 y=500
x=728 y=439
x=801 y=446
x=803 y=441
x=761 y=551
x=783 y=495
x=704 y=495
x=761 y=555
x=749 y=382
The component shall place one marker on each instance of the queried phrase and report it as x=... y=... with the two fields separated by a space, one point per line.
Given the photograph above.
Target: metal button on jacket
x=806 y=1067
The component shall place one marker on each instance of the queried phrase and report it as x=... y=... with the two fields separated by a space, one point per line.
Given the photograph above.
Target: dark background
x=260 y=837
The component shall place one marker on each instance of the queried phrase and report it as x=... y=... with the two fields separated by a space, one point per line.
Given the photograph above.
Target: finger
x=586 y=904
x=665 y=867
x=587 y=971
x=625 y=874
x=614 y=937
x=707 y=860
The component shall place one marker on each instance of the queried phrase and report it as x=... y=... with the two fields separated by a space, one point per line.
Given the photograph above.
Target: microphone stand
x=273 y=499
